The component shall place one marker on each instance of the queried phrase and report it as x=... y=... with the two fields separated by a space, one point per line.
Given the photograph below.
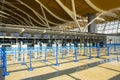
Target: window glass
x=112 y=22
x=118 y=30
x=115 y=26
x=114 y=30
x=106 y=31
x=110 y=31
x=107 y=27
x=111 y=27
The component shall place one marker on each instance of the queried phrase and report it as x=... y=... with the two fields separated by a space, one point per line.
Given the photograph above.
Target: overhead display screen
x=75 y=37
x=68 y=37
x=55 y=36
x=38 y=35
x=26 y=35
x=46 y=36
x=1 y=33
x=16 y=34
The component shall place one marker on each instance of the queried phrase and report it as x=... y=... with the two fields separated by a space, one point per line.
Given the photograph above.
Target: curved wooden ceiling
x=45 y=13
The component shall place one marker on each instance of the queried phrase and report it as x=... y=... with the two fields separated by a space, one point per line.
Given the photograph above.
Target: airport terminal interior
x=59 y=39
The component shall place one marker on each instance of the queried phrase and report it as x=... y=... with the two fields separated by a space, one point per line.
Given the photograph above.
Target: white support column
x=32 y=10
x=30 y=21
x=93 y=6
x=7 y=3
x=6 y=14
x=70 y=13
x=26 y=21
x=2 y=16
x=6 y=20
x=51 y=12
x=45 y=17
x=75 y=19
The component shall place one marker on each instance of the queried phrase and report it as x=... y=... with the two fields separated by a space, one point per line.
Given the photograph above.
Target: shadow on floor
x=1 y=77
x=27 y=66
x=67 y=71
x=117 y=77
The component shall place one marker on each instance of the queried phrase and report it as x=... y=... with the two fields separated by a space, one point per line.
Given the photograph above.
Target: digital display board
x=26 y=35
x=68 y=37
x=46 y=36
x=78 y=37
x=16 y=34
x=75 y=37
x=1 y=33
x=38 y=35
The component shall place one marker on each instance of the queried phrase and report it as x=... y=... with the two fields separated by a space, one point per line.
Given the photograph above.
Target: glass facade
x=109 y=27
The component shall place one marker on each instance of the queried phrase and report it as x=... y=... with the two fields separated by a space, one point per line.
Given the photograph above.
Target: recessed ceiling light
x=23 y=29
x=61 y=32
x=44 y=31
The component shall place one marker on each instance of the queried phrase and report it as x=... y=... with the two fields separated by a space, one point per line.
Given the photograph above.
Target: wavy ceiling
x=50 y=13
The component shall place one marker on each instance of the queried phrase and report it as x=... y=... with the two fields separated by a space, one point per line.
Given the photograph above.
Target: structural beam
x=45 y=17
x=7 y=3
x=12 y=17
x=2 y=16
x=69 y=12
x=51 y=12
x=32 y=10
x=92 y=21
x=26 y=21
x=93 y=6
x=74 y=11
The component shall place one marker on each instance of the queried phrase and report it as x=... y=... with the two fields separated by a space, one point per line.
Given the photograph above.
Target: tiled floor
x=85 y=69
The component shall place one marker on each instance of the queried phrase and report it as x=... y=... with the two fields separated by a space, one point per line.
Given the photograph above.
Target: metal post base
x=57 y=64
x=5 y=74
x=30 y=69
x=84 y=54
x=98 y=57
x=75 y=60
x=38 y=58
x=19 y=59
x=23 y=63
x=90 y=57
x=62 y=58
x=45 y=60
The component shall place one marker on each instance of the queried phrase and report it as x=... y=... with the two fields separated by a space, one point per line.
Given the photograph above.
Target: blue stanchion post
x=41 y=51
x=53 y=52
x=63 y=50
x=30 y=53
x=75 y=54
x=114 y=48
x=45 y=56
x=1 y=58
x=19 y=51
x=57 y=64
x=118 y=57
x=23 y=62
x=5 y=63
x=38 y=55
x=85 y=45
x=84 y=51
x=90 y=57
x=66 y=50
x=98 y=51
x=108 y=50
x=14 y=51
